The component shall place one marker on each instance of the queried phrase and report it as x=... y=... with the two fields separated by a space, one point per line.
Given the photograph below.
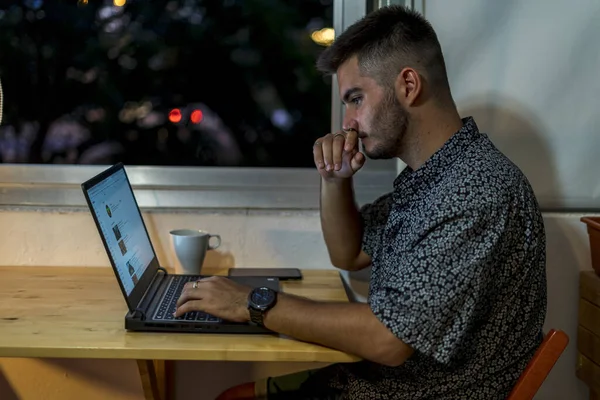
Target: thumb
x=357 y=161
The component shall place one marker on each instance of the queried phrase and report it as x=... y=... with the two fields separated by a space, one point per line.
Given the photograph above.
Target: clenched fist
x=337 y=156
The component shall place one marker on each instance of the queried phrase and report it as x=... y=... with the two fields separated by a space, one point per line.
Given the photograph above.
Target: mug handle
x=218 y=237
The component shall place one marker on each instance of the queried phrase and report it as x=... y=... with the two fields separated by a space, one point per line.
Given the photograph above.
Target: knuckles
x=335 y=137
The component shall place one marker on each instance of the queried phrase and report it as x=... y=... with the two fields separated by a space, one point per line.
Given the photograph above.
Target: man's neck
x=428 y=135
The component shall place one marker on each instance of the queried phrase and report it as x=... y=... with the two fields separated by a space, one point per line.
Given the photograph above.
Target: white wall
x=249 y=238
x=528 y=72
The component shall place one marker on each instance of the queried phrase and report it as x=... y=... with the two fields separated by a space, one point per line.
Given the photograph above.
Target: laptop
x=150 y=291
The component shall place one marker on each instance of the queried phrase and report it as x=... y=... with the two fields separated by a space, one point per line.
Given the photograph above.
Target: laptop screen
x=121 y=225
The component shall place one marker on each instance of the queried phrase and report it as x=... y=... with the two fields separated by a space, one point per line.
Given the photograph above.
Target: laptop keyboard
x=168 y=304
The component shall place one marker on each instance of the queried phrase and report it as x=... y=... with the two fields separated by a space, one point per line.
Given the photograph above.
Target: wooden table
x=588 y=332
x=79 y=313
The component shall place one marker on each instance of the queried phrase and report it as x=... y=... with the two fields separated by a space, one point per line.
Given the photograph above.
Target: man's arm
x=341 y=225
x=349 y=327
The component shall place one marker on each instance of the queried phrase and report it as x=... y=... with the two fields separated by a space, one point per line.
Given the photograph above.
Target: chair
x=529 y=382
x=540 y=365
x=245 y=391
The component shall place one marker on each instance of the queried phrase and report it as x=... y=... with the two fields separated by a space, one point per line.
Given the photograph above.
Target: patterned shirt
x=458 y=272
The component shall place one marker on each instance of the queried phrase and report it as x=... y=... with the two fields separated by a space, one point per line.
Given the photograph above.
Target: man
x=457 y=295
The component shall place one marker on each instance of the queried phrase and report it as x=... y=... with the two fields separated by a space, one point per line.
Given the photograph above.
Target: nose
x=350 y=122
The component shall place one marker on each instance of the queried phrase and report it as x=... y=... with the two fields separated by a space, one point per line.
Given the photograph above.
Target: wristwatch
x=260 y=300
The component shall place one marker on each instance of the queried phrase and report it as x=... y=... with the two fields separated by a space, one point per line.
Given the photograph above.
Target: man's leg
x=303 y=385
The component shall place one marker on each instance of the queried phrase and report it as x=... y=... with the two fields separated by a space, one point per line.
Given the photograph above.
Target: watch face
x=262 y=297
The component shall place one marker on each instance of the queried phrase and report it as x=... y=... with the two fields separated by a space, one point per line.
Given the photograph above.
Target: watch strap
x=256 y=316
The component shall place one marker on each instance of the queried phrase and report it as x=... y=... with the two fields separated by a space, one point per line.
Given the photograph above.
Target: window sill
x=157 y=188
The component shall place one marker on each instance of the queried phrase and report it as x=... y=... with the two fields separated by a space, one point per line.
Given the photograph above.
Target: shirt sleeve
x=434 y=300
x=374 y=218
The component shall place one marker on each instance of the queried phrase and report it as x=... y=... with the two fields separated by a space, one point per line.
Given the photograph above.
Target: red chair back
x=540 y=365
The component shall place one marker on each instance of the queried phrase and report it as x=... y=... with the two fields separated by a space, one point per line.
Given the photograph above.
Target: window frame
x=170 y=187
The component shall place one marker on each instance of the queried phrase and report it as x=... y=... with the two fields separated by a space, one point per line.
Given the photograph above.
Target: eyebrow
x=349 y=93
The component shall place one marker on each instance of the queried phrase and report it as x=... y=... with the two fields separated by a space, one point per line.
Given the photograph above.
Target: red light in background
x=175 y=115
x=196 y=116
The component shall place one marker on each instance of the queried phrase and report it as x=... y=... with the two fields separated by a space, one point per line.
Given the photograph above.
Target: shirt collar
x=409 y=181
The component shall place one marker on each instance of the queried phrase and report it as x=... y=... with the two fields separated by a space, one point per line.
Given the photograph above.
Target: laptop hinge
x=146 y=300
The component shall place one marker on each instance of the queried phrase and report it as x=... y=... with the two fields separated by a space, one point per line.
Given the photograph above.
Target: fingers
x=189 y=300
x=322 y=152
x=328 y=151
x=190 y=285
x=189 y=293
x=357 y=161
x=351 y=139
x=326 y=147
x=318 y=154
x=338 y=150
x=186 y=295
x=193 y=305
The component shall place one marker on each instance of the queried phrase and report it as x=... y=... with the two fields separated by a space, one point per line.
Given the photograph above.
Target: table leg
x=157 y=378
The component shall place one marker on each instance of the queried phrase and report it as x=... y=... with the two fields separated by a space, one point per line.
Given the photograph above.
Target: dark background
x=87 y=82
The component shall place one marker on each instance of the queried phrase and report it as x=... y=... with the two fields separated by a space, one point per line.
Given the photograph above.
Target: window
x=198 y=83
x=210 y=104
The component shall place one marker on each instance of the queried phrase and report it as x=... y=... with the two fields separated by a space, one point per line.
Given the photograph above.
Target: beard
x=390 y=123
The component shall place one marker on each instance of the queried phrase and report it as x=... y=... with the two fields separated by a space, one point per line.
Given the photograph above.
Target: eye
x=356 y=100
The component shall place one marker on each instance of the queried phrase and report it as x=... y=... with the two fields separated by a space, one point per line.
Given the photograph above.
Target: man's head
x=389 y=64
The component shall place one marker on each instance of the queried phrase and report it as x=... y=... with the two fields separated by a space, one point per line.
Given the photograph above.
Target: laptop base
x=137 y=325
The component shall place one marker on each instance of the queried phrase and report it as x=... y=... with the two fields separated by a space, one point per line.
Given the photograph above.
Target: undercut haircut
x=387 y=41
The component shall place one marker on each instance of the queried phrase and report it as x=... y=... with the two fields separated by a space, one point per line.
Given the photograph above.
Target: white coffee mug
x=190 y=247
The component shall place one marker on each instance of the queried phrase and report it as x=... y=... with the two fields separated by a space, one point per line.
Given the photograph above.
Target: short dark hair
x=386 y=41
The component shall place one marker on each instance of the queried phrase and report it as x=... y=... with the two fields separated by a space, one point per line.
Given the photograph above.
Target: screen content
x=121 y=225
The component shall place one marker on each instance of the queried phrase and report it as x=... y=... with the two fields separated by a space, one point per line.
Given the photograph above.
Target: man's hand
x=337 y=159
x=218 y=296
x=337 y=156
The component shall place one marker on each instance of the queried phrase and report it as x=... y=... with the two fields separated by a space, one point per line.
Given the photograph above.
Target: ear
x=408 y=86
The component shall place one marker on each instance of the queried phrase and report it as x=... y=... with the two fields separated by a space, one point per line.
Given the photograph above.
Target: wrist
x=243 y=309
x=245 y=313
x=336 y=181
x=260 y=301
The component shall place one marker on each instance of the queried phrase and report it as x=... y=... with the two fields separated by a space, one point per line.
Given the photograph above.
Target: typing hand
x=337 y=156
x=216 y=295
